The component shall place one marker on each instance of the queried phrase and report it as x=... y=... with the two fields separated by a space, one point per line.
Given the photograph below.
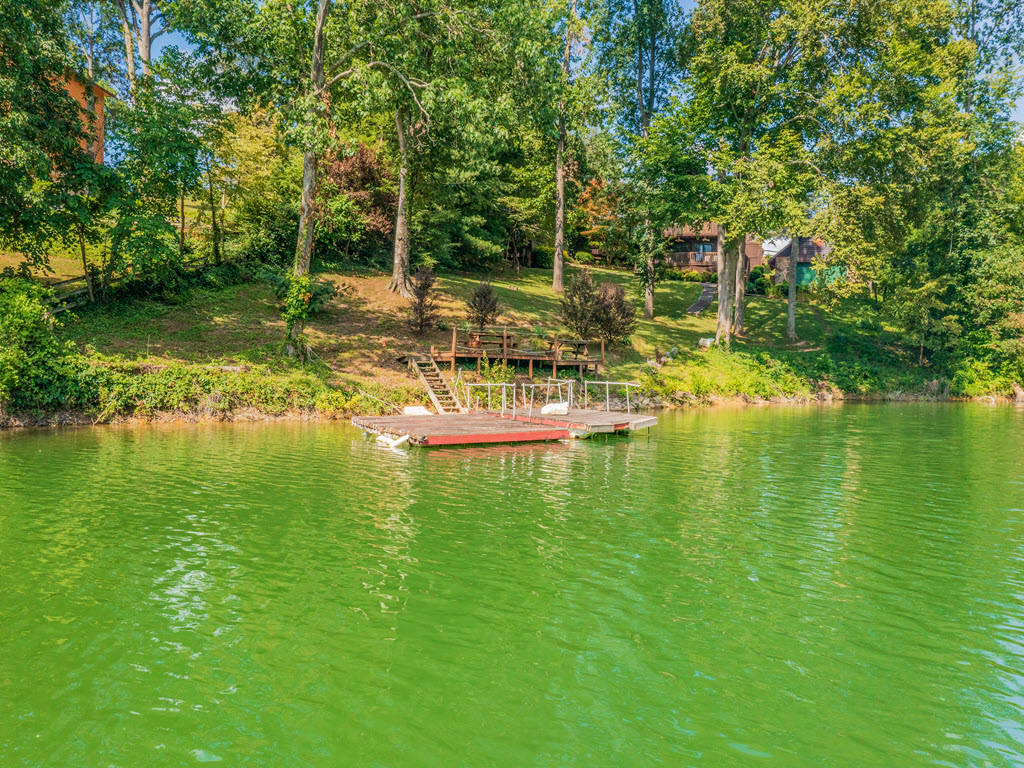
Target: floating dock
x=490 y=427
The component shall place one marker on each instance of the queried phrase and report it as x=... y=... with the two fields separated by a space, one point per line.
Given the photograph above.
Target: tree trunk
x=145 y=12
x=557 y=278
x=740 y=296
x=304 y=247
x=400 y=282
x=558 y=270
x=726 y=283
x=649 y=288
x=304 y=244
x=791 y=303
x=129 y=46
x=215 y=228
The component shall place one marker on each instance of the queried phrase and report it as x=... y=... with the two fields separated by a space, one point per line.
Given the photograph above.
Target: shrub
x=301 y=296
x=37 y=369
x=975 y=378
x=579 y=304
x=614 y=316
x=498 y=372
x=423 y=304
x=483 y=305
x=583 y=257
x=688 y=276
x=759 y=281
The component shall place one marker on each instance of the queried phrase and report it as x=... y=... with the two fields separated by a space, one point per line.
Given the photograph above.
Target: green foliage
x=688 y=276
x=302 y=296
x=975 y=378
x=483 y=305
x=614 y=316
x=759 y=282
x=125 y=390
x=37 y=369
x=498 y=372
x=41 y=161
x=720 y=372
x=579 y=304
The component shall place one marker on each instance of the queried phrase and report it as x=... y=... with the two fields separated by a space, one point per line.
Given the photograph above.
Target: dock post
x=607 y=395
x=531 y=367
x=454 y=331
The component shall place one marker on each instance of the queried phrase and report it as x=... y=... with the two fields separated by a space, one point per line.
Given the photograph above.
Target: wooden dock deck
x=489 y=427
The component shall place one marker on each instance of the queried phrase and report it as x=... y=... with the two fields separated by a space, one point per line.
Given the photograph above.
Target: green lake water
x=764 y=587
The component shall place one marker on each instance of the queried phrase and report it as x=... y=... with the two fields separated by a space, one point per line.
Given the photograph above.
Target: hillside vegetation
x=215 y=350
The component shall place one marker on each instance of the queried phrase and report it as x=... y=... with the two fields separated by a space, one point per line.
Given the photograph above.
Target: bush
x=483 y=305
x=423 y=304
x=614 y=316
x=579 y=304
x=37 y=369
x=583 y=257
x=688 y=276
x=975 y=378
x=498 y=372
x=759 y=282
x=301 y=295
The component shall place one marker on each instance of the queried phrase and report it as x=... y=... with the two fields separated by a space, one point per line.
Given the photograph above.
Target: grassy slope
x=363 y=332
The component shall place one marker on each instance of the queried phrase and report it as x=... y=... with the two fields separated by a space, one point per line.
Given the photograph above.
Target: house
x=807 y=249
x=91 y=100
x=697 y=251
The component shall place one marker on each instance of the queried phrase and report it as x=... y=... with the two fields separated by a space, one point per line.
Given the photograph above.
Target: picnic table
x=571 y=349
x=502 y=340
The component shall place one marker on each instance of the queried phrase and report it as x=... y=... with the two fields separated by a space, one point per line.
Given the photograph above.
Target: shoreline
x=59 y=419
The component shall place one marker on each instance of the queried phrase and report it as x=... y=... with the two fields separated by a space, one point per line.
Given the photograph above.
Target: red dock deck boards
x=459 y=429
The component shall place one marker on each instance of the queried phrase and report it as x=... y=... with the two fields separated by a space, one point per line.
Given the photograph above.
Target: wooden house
x=697 y=250
x=807 y=249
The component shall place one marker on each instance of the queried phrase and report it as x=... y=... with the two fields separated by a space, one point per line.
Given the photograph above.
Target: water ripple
x=791 y=587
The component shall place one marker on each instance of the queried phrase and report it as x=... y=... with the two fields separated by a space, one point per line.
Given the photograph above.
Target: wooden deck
x=583 y=422
x=459 y=429
x=484 y=427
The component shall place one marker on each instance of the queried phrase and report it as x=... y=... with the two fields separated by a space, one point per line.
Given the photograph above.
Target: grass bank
x=215 y=351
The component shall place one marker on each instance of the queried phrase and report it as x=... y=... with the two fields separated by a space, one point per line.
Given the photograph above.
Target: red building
x=91 y=101
x=697 y=251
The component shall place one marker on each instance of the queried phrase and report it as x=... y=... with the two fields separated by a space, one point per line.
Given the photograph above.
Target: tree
x=636 y=43
x=579 y=304
x=614 y=316
x=423 y=303
x=44 y=165
x=142 y=22
x=572 y=33
x=483 y=305
x=752 y=120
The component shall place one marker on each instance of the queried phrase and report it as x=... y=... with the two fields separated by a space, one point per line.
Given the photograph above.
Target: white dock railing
x=569 y=391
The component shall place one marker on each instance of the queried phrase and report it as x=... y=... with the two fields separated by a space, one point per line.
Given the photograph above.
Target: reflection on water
x=790 y=587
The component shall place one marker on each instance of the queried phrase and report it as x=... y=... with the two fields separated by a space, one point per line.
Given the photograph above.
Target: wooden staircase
x=445 y=400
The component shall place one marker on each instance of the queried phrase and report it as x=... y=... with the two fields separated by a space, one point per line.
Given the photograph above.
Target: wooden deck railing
x=683 y=259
